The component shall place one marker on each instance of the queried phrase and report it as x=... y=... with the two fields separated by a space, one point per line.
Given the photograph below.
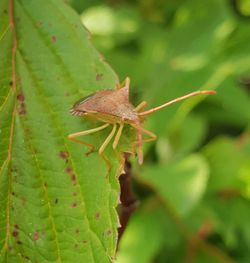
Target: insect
x=112 y=107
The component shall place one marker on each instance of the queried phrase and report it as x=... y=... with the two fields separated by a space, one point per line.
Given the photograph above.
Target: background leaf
x=178 y=47
x=145 y=236
x=182 y=184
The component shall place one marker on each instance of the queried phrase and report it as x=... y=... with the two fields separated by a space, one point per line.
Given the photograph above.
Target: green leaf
x=182 y=183
x=227 y=219
x=229 y=162
x=118 y=26
x=146 y=234
x=182 y=139
x=56 y=204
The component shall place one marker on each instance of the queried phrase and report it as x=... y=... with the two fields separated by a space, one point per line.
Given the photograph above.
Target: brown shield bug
x=112 y=107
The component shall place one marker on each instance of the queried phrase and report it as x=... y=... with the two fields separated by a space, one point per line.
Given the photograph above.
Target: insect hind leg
x=91 y=147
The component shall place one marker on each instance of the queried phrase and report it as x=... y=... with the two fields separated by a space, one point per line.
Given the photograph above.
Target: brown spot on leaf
x=11 y=83
x=63 y=154
x=74 y=194
x=45 y=185
x=77 y=231
x=68 y=170
x=53 y=38
x=36 y=236
x=108 y=232
x=56 y=201
x=15 y=233
x=73 y=205
x=19 y=242
x=21 y=106
x=97 y=216
x=20 y=97
x=99 y=76
x=23 y=112
x=73 y=179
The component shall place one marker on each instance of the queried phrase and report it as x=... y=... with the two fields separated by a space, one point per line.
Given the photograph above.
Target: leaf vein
x=52 y=116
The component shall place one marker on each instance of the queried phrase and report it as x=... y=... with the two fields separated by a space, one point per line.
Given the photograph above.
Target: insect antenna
x=195 y=93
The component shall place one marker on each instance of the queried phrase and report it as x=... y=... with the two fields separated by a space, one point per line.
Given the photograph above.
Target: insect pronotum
x=112 y=107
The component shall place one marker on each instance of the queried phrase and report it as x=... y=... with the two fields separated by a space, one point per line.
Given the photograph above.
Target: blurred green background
x=194 y=187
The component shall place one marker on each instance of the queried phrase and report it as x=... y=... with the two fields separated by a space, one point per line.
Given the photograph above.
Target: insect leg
x=104 y=145
x=152 y=136
x=139 y=141
x=118 y=136
x=116 y=141
x=73 y=136
x=107 y=140
x=140 y=106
